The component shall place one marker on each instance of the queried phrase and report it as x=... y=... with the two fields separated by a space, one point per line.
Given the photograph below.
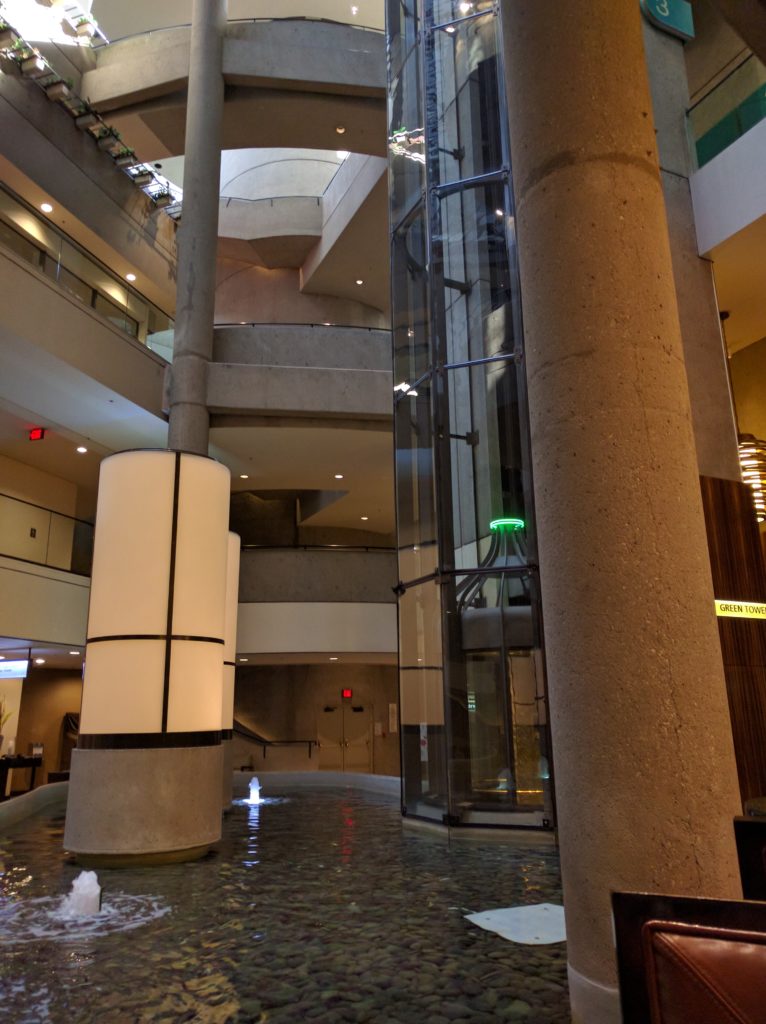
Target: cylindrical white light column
x=145 y=774
x=229 y=665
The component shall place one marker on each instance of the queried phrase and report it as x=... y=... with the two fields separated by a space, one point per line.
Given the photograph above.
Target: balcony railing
x=36 y=534
x=41 y=244
x=735 y=106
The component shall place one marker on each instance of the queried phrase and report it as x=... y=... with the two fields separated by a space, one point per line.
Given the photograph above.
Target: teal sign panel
x=673 y=16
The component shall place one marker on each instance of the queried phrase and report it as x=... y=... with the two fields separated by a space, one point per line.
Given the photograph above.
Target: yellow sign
x=740 y=610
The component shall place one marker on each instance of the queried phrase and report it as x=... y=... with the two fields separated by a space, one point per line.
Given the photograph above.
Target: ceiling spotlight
x=46 y=207
x=39 y=661
x=74 y=652
x=340 y=129
x=81 y=449
x=359 y=281
x=465 y=7
x=130 y=277
x=354 y=9
x=450 y=29
x=498 y=213
x=243 y=476
x=364 y=518
x=333 y=658
x=338 y=476
x=242 y=659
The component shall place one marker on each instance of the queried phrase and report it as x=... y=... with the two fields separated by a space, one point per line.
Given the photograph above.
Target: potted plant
x=59 y=90
x=125 y=157
x=8 y=37
x=85 y=27
x=4 y=716
x=163 y=198
x=109 y=140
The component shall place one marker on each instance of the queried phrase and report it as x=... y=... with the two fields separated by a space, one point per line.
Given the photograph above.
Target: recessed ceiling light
x=243 y=476
x=333 y=658
x=74 y=652
x=130 y=277
x=354 y=9
x=359 y=281
x=451 y=29
x=46 y=207
x=81 y=449
x=498 y=213
x=243 y=659
x=39 y=661
x=364 y=518
x=340 y=129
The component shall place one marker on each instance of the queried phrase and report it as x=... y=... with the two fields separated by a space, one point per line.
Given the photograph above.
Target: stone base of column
x=592 y=1002
x=228 y=774
x=143 y=806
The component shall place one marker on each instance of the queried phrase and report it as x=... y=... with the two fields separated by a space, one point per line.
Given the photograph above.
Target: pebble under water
x=319 y=908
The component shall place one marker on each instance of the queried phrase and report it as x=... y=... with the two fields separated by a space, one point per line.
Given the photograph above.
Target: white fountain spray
x=255 y=791
x=85 y=898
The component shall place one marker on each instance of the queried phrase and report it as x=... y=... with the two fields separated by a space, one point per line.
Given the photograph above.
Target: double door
x=344 y=732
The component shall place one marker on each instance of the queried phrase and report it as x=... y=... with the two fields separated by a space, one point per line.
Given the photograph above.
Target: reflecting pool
x=314 y=907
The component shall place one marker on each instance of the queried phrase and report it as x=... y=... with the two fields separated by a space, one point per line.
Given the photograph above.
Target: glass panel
x=20 y=245
x=113 y=312
x=496 y=702
x=728 y=111
x=486 y=468
x=451 y=10
x=415 y=484
x=82 y=276
x=406 y=143
x=409 y=283
x=471 y=250
x=463 y=102
x=402 y=21
x=39 y=535
x=421 y=693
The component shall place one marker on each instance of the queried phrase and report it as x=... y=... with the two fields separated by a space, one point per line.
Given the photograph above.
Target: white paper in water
x=538 y=925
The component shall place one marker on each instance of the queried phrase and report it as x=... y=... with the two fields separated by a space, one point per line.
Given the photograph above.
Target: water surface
x=317 y=908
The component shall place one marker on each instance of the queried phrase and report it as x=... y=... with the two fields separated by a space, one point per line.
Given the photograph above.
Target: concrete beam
x=299 y=391
x=317 y=346
x=285 y=574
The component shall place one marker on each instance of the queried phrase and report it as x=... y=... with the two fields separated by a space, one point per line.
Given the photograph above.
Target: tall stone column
x=198 y=234
x=645 y=778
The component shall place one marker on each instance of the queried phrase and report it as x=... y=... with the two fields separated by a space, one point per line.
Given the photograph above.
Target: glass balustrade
x=735 y=106
x=35 y=534
x=81 y=275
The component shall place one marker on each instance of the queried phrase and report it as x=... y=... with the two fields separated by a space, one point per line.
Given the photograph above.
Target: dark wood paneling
x=739 y=574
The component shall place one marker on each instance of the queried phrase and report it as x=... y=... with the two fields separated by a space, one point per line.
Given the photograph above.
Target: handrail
x=243 y=21
x=319 y=547
x=344 y=327
x=45 y=508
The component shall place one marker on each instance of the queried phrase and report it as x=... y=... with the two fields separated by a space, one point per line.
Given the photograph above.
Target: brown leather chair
x=690 y=961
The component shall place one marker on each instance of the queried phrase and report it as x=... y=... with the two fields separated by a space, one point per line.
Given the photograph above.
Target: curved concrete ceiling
x=118 y=18
x=289 y=84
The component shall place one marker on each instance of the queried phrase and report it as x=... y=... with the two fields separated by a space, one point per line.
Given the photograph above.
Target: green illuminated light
x=507 y=524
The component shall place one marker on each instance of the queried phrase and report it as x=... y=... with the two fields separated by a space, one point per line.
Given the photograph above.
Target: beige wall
x=748 y=379
x=714 y=51
x=280 y=702
x=45 y=698
x=247 y=293
x=29 y=484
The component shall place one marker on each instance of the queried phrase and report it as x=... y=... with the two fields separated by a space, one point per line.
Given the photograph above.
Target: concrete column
x=198 y=234
x=713 y=419
x=645 y=777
